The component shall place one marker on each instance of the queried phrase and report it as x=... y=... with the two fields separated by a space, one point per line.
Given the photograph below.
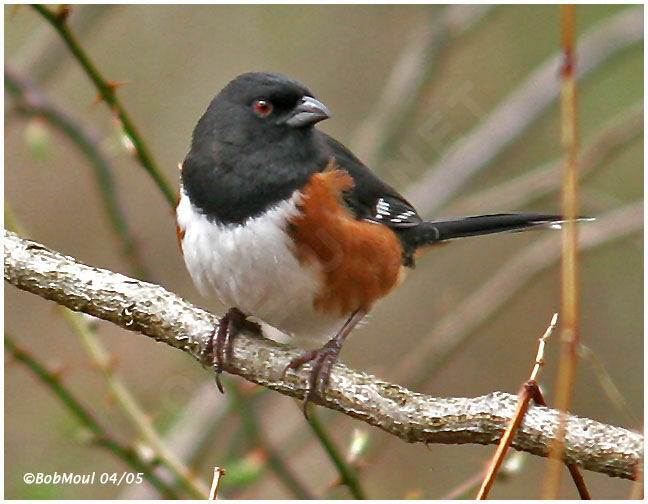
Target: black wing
x=372 y=199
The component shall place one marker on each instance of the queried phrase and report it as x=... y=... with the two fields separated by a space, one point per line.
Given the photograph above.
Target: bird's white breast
x=253 y=267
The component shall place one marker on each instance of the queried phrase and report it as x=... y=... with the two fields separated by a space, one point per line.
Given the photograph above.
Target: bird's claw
x=220 y=342
x=322 y=361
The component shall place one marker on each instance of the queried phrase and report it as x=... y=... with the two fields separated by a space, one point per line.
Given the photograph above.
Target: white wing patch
x=382 y=209
x=385 y=213
x=402 y=217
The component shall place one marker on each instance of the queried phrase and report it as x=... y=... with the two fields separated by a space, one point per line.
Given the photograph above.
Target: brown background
x=175 y=60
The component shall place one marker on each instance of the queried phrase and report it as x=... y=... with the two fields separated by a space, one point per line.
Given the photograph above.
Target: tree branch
x=31 y=102
x=159 y=314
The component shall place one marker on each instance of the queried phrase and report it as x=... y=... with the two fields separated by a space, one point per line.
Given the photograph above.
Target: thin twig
x=518 y=110
x=524 y=397
x=218 y=474
x=569 y=263
x=41 y=57
x=607 y=384
x=200 y=418
x=347 y=474
x=191 y=430
x=107 y=93
x=465 y=488
x=151 y=310
x=129 y=405
x=100 y=435
x=529 y=391
x=637 y=490
x=512 y=466
x=542 y=342
x=32 y=102
x=274 y=460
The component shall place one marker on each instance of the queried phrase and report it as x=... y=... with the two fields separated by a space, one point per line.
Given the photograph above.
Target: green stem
x=129 y=406
x=347 y=473
x=108 y=95
x=32 y=103
x=255 y=434
x=102 y=438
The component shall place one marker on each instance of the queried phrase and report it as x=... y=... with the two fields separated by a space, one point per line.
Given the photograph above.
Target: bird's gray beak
x=308 y=111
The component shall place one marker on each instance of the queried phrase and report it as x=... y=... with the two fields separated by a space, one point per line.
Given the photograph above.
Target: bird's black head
x=253 y=146
x=275 y=99
x=260 y=104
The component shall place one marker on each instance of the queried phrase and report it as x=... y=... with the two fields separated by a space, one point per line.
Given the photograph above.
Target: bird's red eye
x=262 y=107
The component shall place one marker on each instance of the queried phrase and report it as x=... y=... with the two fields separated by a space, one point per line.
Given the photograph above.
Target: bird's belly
x=254 y=268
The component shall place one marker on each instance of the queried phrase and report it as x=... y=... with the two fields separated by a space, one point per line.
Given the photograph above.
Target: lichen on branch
x=157 y=313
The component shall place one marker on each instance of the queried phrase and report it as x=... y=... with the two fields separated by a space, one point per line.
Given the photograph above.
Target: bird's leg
x=219 y=345
x=323 y=359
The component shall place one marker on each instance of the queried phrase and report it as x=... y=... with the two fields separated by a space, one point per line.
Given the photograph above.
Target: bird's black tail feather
x=431 y=232
x=487 y=224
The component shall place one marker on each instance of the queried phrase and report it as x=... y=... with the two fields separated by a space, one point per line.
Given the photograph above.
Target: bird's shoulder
x=371 y=198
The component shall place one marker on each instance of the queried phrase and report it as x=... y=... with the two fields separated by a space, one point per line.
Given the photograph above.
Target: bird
x=288 y=227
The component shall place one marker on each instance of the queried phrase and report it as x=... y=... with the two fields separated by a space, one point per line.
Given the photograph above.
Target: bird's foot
x=322 y=363
x=323 y=359
x=219 y=345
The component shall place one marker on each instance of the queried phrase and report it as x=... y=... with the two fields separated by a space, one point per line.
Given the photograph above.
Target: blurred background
x=456 y=106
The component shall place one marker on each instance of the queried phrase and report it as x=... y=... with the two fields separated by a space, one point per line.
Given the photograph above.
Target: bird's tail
x=433 y=232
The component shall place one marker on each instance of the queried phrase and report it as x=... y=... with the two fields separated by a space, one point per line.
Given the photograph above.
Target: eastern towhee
x=286 y=225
